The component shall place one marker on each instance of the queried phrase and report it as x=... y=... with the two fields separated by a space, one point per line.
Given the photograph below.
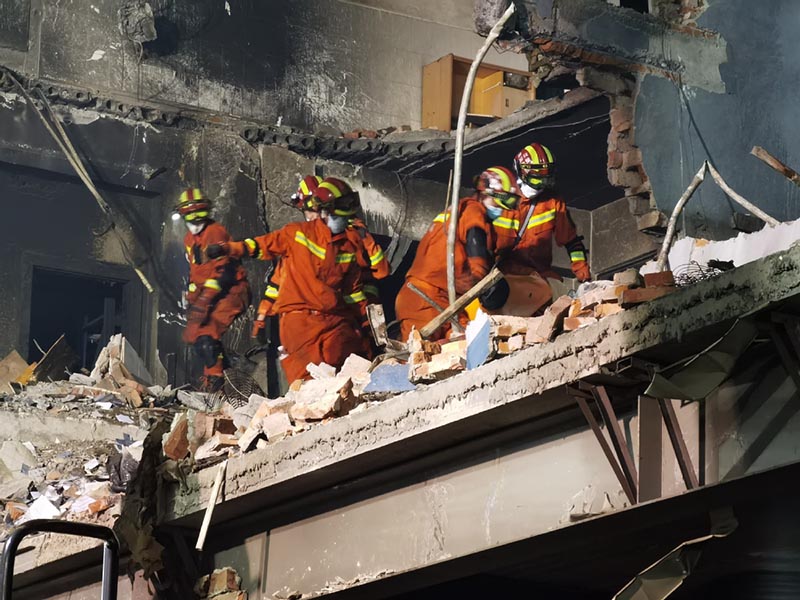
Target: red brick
x=631 y=159
x=639 y=295
x=177 y=445
x=573 y=323
x=614 y=159
x=662 y=279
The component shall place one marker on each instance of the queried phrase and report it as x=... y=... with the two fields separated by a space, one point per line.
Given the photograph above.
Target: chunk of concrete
x=276 y=426
x=553 y=318
x=322 y=398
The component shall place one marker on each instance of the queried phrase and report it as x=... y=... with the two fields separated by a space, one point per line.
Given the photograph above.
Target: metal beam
x=610 y=456
x=617 y=437
x=678 y=444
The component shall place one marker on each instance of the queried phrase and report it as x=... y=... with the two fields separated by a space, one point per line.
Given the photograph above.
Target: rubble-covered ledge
x=329 y=453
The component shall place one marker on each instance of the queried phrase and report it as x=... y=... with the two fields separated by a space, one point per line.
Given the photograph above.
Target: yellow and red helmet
x=335 y=196
x=499 y=184
x=193 y=205
x=305 y=191
x=535 y=166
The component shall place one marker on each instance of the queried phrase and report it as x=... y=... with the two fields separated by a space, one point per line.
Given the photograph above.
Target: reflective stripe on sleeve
x=371 y=290
x=345 y=257
x=271 y=292
x=192 y=287
x=578 y=255
x=212 y=284
x=252 y=247
x=374 y=259
x=355 y=298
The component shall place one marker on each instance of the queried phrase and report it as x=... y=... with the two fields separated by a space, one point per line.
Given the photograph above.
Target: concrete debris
x=322 y=398
x=321 y=371
x=221 y=584
x=219 y=445
x=630 y=277
x=553 y=318
x=276 y=426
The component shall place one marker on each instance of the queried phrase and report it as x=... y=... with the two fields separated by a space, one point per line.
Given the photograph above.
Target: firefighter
x=544 y=217
x=266 y=308
x=218 y=290
x=476 y=242
x=323 y=279
x=526 y=257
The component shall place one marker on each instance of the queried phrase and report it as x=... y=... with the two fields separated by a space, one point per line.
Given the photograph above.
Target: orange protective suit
x=218 y=293
x=322 y=285
x=474 y=249
x=534 y=252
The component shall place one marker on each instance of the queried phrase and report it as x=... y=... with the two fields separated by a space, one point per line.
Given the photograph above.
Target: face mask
x=493 y=212
x=528 y=191
x=336 y=224
x=196 y=228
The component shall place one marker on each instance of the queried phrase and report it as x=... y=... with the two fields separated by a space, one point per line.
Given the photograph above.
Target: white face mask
x=337 y=224
x=528 y=191
x=195 y=228
x=493 y=212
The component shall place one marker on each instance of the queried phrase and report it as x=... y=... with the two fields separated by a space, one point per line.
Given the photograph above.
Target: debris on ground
x=221 y=584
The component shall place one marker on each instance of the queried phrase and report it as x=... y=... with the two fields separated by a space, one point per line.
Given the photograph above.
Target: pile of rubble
x=208 y=436
x=492 y=336
x=73 y=446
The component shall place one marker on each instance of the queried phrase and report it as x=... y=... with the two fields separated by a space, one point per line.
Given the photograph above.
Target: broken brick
x=458 y=347
x=573 y=323
x=626 y=179
x=606 y=310
x=639 y=295
x=322 y=398
x=553 y=318
x=417 y=344
x=176 y=446
x=614 y=160
x=222 y=581
x=440 y=366
x=276 y=426
x=514 y=343
x=629 y=277
x=505 y=326
x=631 y=159
x=660 y=279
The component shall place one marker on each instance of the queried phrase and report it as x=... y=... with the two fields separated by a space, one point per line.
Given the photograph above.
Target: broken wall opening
x=87 y=310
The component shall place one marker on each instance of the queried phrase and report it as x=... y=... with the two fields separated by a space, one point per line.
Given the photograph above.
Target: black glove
x=495 y=297
x=216 y=250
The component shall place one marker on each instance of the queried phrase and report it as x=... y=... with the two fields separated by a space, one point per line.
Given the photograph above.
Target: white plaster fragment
x=228 y=8
x=98 y=55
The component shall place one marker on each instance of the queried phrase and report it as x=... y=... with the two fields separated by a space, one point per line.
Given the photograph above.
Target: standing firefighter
x=218 y=290
x=266 y=308
x=542 y=216
x=476 y=241
x=324 y=267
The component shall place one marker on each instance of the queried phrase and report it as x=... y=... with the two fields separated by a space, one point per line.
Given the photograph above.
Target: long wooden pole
x=493 y=277
x=459 y=151
x=673 y=220
x=742 y=201
x=773 y=162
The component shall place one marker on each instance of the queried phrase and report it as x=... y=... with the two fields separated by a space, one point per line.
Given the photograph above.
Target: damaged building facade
x=583 y=465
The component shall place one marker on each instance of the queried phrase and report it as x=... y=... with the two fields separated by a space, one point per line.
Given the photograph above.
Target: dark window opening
x=85 y=309
x=642 y=6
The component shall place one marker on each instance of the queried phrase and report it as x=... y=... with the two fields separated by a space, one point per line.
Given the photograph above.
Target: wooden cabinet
x=498 y=91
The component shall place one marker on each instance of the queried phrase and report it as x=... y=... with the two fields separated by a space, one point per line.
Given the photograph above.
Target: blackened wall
x=50 y=220
x=306 y=63
x=680 y=127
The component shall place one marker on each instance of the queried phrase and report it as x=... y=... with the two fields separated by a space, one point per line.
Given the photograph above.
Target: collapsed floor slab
x=476 y=402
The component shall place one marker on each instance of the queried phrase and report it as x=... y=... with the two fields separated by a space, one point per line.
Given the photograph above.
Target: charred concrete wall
x=679 y=126
x=52 y=222
x=305 y=63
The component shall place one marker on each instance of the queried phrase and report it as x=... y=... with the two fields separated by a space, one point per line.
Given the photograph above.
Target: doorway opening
x=85 y=309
